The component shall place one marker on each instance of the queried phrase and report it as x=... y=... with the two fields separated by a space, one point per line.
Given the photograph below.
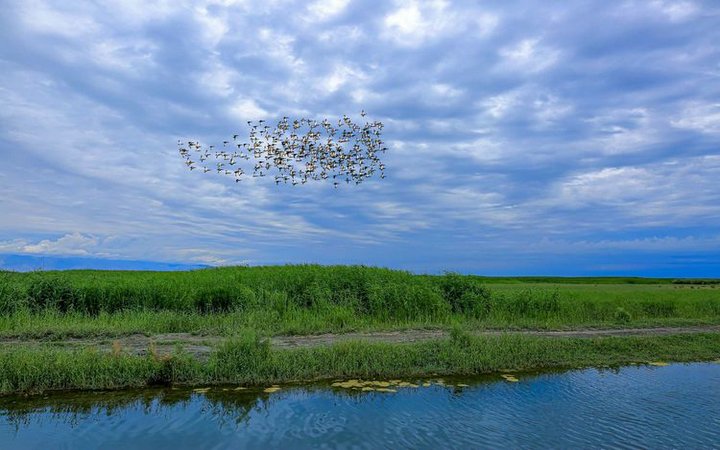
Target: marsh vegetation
x=316 y=299
x=242 y=306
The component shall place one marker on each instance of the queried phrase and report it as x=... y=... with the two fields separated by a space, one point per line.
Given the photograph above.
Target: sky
x=525 y=137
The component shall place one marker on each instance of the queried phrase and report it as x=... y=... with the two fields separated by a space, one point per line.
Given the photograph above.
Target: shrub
x=465 y=295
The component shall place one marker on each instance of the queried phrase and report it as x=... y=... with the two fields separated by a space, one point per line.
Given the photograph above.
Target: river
x=674 y=406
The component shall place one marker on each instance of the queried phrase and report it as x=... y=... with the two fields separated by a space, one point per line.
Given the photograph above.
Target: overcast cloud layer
x=525 y=136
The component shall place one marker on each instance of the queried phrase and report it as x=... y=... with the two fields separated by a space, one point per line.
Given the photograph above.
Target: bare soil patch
x=406 y=336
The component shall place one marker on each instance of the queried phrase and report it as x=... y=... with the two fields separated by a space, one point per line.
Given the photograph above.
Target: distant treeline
x=696 y=282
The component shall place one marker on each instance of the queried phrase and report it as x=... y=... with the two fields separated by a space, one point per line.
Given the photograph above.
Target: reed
x=312 y=299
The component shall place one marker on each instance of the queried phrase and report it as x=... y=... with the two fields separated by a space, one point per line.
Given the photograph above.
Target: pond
x=639 y=406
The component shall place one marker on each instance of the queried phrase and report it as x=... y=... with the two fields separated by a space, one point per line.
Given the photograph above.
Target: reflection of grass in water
x=250 y=361
x=233 y=405
x=72 y=407
x=312 y=299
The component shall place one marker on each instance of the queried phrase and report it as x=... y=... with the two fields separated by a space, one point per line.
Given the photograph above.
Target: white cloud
x=445 y=90
x=247 y=109
x=406 y=20
x=614 y=185
x=69 y=244
x=651 y=244
x=625 y=131
x=528 y=55
x=364 y=96
x=213 y=27
x=675 y=10
x=549 y=109
x=675 y=191
x=349 y=34
x=322 y=10
x=341 y=76
x=484 y=150
x=412 y=22
x=530 y=101
x=218 y=79
x=702 y=117
x=13 y=246
x=498 y=106
x=278 y=46
x=42 y=18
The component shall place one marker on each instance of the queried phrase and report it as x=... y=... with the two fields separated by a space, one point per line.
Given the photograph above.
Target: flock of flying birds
x=296 y=151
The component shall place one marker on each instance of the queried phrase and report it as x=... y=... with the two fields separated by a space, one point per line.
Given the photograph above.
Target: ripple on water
x=645 y=406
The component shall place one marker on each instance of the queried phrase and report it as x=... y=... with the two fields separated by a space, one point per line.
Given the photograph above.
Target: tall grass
x=311 y=298
x=248 y=360
x=363 y=290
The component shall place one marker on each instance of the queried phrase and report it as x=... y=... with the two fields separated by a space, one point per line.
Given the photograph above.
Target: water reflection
x=653 y=407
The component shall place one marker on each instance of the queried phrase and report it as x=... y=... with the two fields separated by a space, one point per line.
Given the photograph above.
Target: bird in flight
x=296 y=151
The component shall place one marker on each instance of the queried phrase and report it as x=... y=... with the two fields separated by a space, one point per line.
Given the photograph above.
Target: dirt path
x=424 y=335
x=201 y=346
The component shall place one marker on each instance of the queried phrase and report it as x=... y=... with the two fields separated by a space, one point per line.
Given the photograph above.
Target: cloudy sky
x=526 y=137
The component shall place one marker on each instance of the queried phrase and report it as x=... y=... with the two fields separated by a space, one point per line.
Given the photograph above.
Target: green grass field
x=247 y=304
x=314 y=299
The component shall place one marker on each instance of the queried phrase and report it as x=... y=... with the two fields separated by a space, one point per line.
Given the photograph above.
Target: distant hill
x=26 y=263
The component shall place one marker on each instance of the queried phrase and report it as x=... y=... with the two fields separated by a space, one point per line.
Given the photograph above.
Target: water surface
x=649 y=407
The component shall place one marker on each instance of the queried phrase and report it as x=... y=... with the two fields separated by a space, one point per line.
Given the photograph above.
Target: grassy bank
x=313 y=299
x=242 y=303
x=249 y=361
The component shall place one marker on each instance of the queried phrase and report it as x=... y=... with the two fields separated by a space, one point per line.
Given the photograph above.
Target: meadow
x=244 y=305
x=309 y=299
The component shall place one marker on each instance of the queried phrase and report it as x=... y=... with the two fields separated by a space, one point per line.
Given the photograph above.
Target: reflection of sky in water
x=650 y=407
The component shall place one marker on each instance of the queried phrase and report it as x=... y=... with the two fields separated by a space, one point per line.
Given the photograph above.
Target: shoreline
x=249 y=361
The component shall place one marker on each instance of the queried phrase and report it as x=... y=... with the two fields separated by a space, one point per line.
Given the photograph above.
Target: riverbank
x=250 y=361
x=264 y=325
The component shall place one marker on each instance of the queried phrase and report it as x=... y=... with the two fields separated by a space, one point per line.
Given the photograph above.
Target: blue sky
x=526 y=137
